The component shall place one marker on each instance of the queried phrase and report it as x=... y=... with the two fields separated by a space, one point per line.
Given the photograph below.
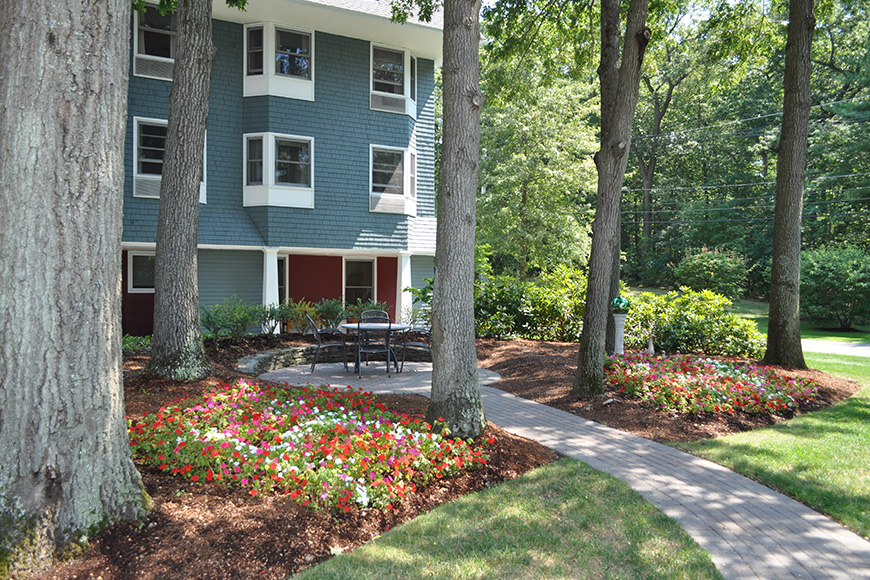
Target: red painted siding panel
x=314 y=278
x=388 y=271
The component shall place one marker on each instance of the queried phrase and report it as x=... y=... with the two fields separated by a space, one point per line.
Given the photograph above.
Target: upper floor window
x=279 y=61
x=155 y=41
x=149 y=137
x=279 y=170
x=393 y=180
x=394 y=81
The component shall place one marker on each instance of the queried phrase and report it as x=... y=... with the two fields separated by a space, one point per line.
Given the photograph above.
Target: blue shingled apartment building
x=318 y=179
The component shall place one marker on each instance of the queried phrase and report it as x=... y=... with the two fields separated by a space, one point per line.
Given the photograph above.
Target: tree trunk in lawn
x=455 y=386
x=784 y=331
x=176 y=349
x=66 y=470
x=619 y=91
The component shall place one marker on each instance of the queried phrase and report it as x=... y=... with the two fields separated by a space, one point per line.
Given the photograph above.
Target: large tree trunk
x=176 y=350
x=65 y=465
x=455 y=386
x=784 y=331
x=619 y=91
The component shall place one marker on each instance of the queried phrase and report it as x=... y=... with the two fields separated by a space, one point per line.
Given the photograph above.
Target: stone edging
x=270 y=360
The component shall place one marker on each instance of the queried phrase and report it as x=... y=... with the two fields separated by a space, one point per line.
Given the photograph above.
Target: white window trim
x=130 y=288
x=270 y=193
x=409 y=99
x=403 y=204
x=270 y=83
x=169 y=62
x=145 y=183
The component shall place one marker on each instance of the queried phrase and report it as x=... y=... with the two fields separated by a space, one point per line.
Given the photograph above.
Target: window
x=394 y=81
x=149 y=137
x=140 y=272
x=359 y=280
x=393 y=180
x=279 y=170
x=255 y=51
x=155 y=44
x=279 y=62
x=292 y=53
x=387 y=172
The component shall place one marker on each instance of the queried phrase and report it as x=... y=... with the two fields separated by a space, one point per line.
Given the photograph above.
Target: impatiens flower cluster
x=683 y=384
x=327 y=447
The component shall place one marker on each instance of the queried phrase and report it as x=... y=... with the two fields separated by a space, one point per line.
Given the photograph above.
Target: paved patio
x=749 y=530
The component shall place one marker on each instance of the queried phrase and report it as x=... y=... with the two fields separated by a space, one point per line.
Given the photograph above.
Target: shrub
x=687 y=321
x=330 y=312
x=549 y=308
x=232 y=317
x=294 y=313
x=355 y=310
x=835 y=285
x=721 y=272
x=133 y=343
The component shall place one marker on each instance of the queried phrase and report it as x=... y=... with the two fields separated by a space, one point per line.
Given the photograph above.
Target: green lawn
x=564 y=521
x=821 y=459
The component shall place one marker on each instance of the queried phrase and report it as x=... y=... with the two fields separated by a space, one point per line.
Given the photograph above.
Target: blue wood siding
x=421 y=267
x=223 y=273
x=343 y=128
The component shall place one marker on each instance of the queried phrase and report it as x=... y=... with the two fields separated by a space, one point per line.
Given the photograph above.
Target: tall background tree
x=67 y=470
x=784 y=329
x=620 y=83
x=455 y=386
x=176 y=349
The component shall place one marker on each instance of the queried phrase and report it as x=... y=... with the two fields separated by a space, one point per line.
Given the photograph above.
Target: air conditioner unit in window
x=389 y=104
x=149 y=67
x=146 y=186
x=387 y=203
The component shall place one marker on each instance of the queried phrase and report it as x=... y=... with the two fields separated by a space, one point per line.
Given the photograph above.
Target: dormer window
x=279 y=61
x=155 y=42
x=394 y=81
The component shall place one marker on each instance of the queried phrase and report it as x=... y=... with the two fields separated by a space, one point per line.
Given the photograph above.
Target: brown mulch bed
x=216 y=533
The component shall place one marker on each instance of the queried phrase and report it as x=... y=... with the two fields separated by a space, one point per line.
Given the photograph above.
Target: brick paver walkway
x=749 y=530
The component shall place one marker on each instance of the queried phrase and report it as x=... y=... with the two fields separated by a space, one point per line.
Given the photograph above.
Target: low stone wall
x=271 y=360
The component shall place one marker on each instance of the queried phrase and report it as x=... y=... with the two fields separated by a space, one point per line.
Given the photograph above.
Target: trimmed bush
x=232 y=317
x=835 y=285
x=687 y=321
x=721 y=272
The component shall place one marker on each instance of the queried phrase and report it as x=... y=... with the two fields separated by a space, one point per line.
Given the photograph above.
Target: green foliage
x=549 y=308
x=719 y=271
x=133 y=343
x=687 y=321
x=835 y=285
x=330 y=312
x=354 y=311
x=233 y=317
x=294 y=314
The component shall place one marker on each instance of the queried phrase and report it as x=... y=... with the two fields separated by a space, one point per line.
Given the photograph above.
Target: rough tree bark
x=65 y=465
x=784 y=332
x=619 y=90
x=176 y=349
x=455 y=386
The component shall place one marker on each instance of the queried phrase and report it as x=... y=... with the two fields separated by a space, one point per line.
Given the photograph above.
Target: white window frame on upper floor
x=131 y=287
x=404 y=103
x=149 y=65
x=267 y=81
x=404 y=203
x=268 y=192
x=147 y=185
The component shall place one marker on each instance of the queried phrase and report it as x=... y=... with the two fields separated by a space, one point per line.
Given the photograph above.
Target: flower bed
x=327 y=447
x=683 y=384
